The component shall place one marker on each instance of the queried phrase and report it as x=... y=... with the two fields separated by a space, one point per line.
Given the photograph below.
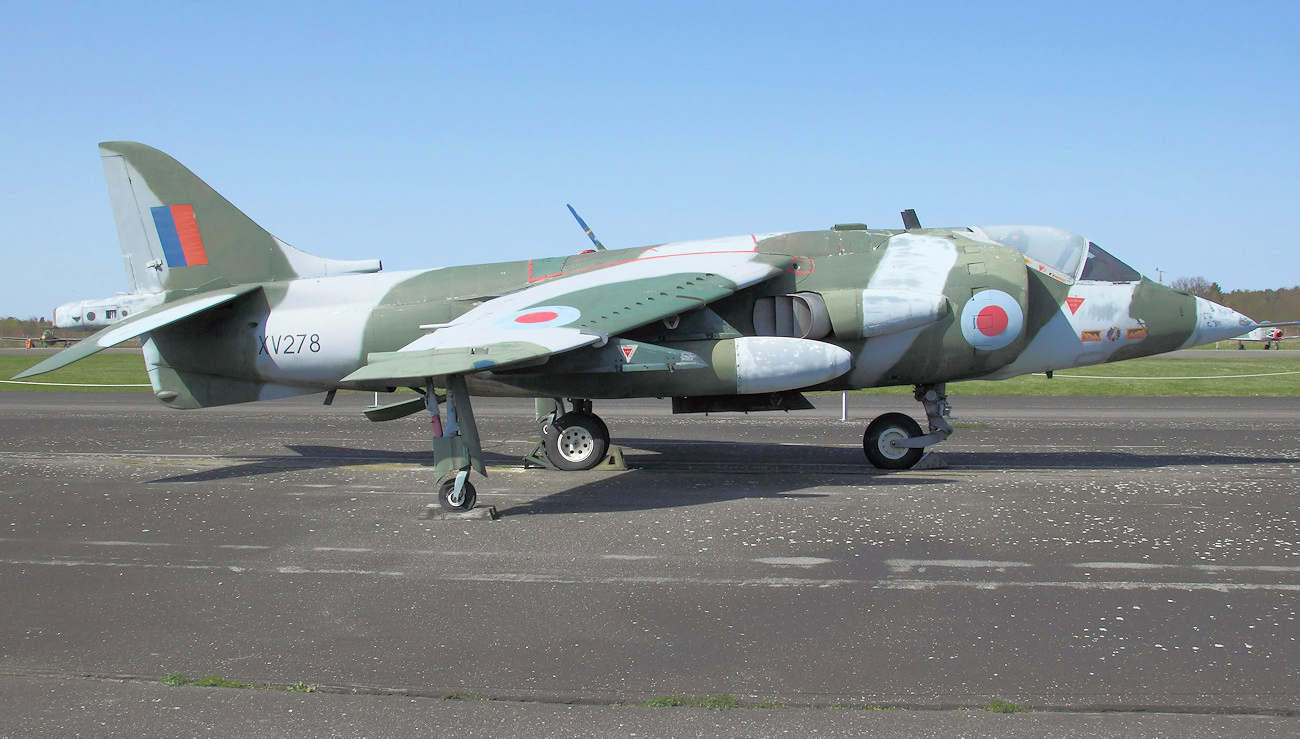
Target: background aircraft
x=46 y=339
x=740 y=323
x=1271 y=334
x=104 y=312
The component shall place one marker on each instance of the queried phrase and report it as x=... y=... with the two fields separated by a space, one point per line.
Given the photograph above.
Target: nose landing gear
x=894 y=441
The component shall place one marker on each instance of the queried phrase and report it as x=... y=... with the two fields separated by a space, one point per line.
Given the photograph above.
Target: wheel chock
x=537 y=457
x=613 y=460
x=435 y=512
x=931 y=461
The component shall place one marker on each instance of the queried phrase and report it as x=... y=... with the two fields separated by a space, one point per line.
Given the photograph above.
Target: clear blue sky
x=433 y=134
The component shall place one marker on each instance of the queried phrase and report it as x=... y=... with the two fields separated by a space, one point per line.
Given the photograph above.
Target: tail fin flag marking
x=147 y=187
x=178 y=231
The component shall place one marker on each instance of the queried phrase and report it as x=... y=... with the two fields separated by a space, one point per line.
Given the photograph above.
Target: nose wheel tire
x=468 y=496
x=576 y=441
x=877 y=442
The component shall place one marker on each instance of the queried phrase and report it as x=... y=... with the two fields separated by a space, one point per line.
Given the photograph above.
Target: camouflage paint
x=262 y=319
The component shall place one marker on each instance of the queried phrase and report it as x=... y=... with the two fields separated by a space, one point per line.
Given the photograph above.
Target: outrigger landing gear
x=457 y=493
x=894 y=441
x=456 y=447
x=577 y=440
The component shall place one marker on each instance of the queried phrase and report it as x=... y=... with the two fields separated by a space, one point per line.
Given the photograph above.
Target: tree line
x=1282 y=304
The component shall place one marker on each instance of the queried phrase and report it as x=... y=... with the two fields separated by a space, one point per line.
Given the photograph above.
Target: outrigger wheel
x=576 y=441
x=878 y=442
x=463 y=502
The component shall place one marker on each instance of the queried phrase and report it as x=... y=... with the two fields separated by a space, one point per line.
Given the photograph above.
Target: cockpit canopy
x=1062 y=251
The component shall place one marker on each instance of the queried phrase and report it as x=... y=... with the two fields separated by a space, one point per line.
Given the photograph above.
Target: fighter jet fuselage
x=739 y=323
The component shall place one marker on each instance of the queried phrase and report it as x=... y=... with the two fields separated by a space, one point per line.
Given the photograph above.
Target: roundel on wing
x=991 y=320
x=542 y=316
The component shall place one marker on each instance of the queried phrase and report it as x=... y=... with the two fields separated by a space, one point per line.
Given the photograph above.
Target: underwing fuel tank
x=769 y=364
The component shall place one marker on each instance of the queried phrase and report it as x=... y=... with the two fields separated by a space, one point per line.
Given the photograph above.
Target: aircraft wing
x=574 y=311
x=138 y=324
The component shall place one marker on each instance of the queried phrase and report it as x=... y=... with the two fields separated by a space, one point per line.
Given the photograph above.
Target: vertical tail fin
x=177 y=233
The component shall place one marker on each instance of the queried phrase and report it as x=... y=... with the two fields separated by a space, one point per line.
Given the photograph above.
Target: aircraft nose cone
x=1216 y=322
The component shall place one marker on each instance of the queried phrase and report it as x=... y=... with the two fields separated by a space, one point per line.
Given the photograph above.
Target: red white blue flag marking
x=179 y=233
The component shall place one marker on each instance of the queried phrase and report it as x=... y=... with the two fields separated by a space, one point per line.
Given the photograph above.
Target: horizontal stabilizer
x=137 y=325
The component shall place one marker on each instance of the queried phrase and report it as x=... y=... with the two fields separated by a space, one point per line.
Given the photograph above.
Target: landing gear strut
x=577 y=440
x=456 y=446
x=894 y=441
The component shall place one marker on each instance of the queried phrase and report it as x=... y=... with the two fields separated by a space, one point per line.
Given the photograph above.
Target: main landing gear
x=577 y=440
x=894 y=441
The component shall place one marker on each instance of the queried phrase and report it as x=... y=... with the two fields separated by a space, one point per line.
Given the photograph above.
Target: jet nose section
x=1216 y=322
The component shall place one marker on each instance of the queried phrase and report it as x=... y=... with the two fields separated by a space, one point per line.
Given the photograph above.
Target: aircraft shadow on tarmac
x=314 y=457
x=752 y=469
x=1100 y=460
x=796 y=459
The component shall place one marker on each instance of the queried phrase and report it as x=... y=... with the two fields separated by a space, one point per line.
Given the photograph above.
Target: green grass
x=217 y=681
x=178 y=679
x=997 y=705
x=717 y=700
x=1216 y=378
x=1221 y=377
x=100 y=369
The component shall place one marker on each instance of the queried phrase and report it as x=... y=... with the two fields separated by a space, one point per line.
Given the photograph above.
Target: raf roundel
x=991 y=320
x=542 y=316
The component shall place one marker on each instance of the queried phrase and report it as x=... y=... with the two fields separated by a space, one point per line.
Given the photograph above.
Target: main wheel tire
x=890 y=427
x=576 y=441
x=469 y=497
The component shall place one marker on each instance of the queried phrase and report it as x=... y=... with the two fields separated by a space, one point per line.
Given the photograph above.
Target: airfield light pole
x=844 y=406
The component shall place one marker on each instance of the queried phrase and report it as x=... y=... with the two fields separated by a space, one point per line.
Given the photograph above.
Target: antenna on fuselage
x=586 y=229
x=910 y=221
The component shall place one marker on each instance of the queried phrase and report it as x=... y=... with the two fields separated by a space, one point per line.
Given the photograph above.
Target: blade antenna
x=586 y=229
x=910 y=221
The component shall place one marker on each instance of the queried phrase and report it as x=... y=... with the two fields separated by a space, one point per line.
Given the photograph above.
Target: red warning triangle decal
x=628 y=351
x=1074 y=304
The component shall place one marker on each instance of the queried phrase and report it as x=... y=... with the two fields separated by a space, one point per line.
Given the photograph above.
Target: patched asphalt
x=1077 y=554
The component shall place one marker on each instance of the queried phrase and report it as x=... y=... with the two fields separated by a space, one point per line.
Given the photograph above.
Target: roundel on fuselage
x=991 y=319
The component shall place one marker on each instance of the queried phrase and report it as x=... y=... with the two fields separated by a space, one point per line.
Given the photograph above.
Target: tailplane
x=177 y=233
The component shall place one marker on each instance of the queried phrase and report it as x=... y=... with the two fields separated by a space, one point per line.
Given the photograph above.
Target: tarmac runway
x=1077 y=555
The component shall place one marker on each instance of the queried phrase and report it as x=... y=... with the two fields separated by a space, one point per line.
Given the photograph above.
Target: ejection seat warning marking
x=288 y=344
x=1074 y=303
x=628 y=351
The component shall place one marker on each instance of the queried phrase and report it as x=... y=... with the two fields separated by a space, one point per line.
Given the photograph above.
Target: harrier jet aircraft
x=730 y=324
